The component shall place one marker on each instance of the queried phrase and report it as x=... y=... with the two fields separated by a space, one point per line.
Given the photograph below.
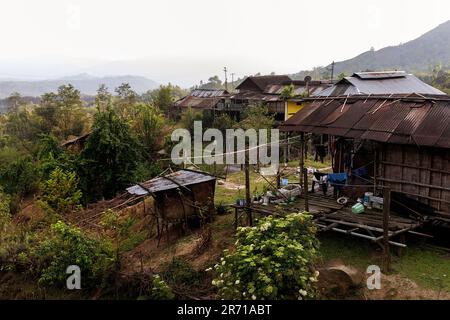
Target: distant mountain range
x=416 y=56
x=87 y=84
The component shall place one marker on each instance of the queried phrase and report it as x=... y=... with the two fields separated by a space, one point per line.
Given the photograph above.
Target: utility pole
x=226 y=82
x=332 y=70
x=232 y=80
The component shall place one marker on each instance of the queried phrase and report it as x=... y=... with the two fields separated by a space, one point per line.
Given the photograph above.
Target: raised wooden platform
x=330 y=216
x=368 y=225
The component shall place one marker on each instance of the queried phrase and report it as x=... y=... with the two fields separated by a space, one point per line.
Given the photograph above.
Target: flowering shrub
x=273 y=260
x=160 y=290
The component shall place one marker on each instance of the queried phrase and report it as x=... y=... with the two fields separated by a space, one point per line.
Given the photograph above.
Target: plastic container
x=358 y=208
x=367 y=196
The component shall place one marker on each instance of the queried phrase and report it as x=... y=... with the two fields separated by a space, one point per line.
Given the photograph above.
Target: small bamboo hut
x=180 y=197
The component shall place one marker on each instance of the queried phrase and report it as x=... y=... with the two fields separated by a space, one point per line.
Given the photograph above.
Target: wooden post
x=278 y=178
x=305 y=186
x=288 y=154
x=285 y=149
x=375 y=172
x=386 y=214
x=247 y=189
x=302 y=161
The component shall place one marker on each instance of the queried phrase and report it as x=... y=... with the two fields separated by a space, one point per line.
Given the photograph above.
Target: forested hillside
x=420 y=55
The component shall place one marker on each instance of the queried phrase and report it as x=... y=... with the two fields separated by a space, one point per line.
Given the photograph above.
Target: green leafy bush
x=5 y=215
x=160 y=290
x=19 y=177
x=67 y=246
x=273 y=260
x=60 y=192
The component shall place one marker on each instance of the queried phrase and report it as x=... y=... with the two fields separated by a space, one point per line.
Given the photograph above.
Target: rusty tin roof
x=403 y=119
x=171 y=181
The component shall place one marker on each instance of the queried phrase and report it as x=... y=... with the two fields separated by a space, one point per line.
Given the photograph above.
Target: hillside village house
x=397 y=140
x=253 y=90
x=267 y=90
x=380 y=82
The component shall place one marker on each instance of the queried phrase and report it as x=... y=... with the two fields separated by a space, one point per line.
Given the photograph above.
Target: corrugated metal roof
x=299 y=87
x=380 y=74
x=208 y=93
x=203 y=99
x=255 y=96
x=403 y=119
x=263 y=81
x=171 y=181
x=379 y=83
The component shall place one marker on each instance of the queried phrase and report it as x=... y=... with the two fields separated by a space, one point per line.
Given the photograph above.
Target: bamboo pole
x=302 y=161
x=386 y=214
x=305 y=186
x=247 y=189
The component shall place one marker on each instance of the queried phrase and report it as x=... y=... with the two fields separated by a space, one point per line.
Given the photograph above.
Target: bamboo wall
x=421 y=173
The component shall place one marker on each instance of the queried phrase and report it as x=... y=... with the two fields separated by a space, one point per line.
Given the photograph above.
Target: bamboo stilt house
x=402 y=141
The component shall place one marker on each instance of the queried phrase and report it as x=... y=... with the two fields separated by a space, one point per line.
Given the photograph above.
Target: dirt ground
x=149 y=256
x=396 y=287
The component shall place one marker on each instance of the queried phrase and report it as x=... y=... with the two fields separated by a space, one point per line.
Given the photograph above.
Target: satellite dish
x=307 y=79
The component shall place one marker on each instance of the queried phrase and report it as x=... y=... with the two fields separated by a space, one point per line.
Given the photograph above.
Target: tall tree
x=164 y=97
x=14 y=102
x=110 y=157
x=62 y=112
x=103 y=98
x=125 y=100
x=147 y=126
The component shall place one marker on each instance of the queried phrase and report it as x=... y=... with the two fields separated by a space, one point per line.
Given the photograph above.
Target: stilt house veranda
x=401 y=141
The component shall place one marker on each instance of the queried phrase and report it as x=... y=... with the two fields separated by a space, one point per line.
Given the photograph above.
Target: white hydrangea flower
x=265 y=226
x=302 y=292
x=253 y=297
x=223 y=262
x=237 y=282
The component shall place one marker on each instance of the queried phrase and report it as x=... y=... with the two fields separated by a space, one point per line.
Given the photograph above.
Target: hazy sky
x=248 y=36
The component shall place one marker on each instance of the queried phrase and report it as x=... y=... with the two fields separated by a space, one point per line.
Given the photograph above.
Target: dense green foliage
x=257 y=117
x=110 y=157
x=60 y=192
x=5 y=215
x=19 y=178
x=273 y=260
x=188 y=119
x=67 y=246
